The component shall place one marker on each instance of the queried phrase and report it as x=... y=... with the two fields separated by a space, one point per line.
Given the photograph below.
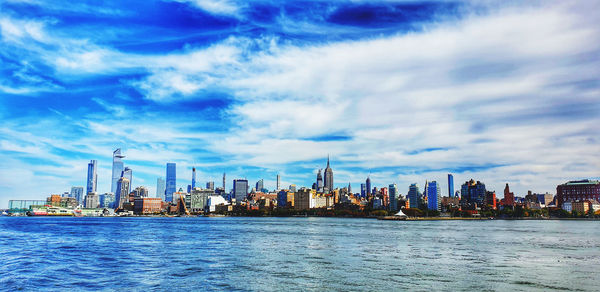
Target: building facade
x=578 y=191
x=328 y=187
x=77 y=193
x=240 y=189
x=450 y=185
x=91 y=200
x=171 y=181
x=160 y=188
x=122 y=194
x=92 y=177
x=434 y=197
x=393 y=190
x=117 y=169
x=414 y=195
x=472 y=195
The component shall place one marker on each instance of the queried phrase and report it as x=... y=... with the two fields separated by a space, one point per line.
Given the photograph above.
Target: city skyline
x=402 y=92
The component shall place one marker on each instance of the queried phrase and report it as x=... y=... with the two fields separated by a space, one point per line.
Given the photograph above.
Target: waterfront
x=267 y=254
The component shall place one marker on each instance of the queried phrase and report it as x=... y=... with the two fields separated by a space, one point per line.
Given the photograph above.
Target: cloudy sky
x=405 y=91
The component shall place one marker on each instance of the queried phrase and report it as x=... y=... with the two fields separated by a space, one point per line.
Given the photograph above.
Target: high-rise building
x=349 y=189
x=240 y=189
x=414 y=195
x=328 y=178
x=509 y=198
x=210 y=185
x=106 y=200
x=450 y=185
x=319 y=182
x=92 y=177
x=292 y=188
x=160 y=188
x=224 y=189
x=260 y=185
x=91 y=200
x=171 y=182
x=193 y=178
x=472 y=195
x=128 y=174
x=363 y=190
x=278 y=187
x=393 y=191
x=122 y=192
x=368 y=185
x=140 y=192
x=117 y=169
x=77 y=193
x=434 y=197
x=577 y=190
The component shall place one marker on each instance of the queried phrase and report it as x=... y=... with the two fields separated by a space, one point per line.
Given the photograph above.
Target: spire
x=327 y=160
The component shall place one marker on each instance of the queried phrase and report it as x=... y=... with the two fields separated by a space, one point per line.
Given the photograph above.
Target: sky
x=401 y=91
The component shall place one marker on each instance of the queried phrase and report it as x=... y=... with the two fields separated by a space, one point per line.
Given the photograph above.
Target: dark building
x=473 y=195
x=578 y=191
x=328 y=178
x=319 y=182
x=368 y=185
x=509 y=198
x=240 y=189
x=490 y=200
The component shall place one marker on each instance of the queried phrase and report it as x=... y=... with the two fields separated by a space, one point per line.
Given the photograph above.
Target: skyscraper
x=171 y=182
x=160 y=188
x=509 y=197
x=117 y=169
x=77 y=193
x=240 y=189
x=210 y=185
x=368 y=185
x=278 y=187
x=193 y=177
x=349 y=189
x=260 y=185
x=319 y=182
x=393 y=191
x=224 y=189
x=122 y=192
x=434 y=198
x=92 y=177
x=414 y=195
x=328 y=177
x=473 y=195
x=128 y=174
x=363 y=190
x=450 y=185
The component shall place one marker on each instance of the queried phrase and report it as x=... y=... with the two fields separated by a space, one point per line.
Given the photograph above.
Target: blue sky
x=405 y=91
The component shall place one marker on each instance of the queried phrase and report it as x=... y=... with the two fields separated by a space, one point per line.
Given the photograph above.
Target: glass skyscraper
x=77 y=193
x=128 y=174
x=92 y=177
x=414 y=195
x=450 y=185
x=171 y=183
x=117 y=169
x=368 y=185
x=240 y=189
x=393 y=191
x=160 y=188
x=433 y=196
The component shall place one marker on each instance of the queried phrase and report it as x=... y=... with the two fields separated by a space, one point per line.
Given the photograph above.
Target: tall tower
x=117 y=169
x=368 y=185
x=171 y=182
x=278 y=182
x=128 y=174
x=122 y=192
x=224 y=189
x=450 y=185
x=160 y=188
x=328 y=177
x=319 y=182
x=92 y=177
x=193 y=177
x=349 y=189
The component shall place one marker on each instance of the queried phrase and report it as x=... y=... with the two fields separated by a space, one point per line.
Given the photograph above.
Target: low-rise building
x=145 y=206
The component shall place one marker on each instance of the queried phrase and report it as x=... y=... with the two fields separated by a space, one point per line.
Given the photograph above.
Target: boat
x=4 y=213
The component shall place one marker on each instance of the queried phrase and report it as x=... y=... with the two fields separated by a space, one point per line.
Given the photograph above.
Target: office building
x=578 y=190
x=472 y=195
x=260 y=185
x=278 y=186
x=414 y=195
x=128 y=174
x=106 y=200
x=224 y=188
x=509 y=197
x=92 y=178
x=363 y=190
x=122 y=194
x=319 y=187
x=193 y=178
x=171 y=182
x=160 y=188
x=450 y=185
x=434 y=197
x=117 y=169
x=91 y=200
x=77 y=193
x=210 y=185
x=140 y=192
x=240 y=189
x=368 y=186
x=328 y=178
x=147 y=206
x=393 y=193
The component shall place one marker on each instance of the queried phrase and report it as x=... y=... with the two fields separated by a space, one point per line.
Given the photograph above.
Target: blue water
x=275 y=254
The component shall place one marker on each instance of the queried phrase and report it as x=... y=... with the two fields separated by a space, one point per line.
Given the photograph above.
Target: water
x=275 y=254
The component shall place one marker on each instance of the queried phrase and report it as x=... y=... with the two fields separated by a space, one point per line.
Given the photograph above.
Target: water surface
x=275 y=254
